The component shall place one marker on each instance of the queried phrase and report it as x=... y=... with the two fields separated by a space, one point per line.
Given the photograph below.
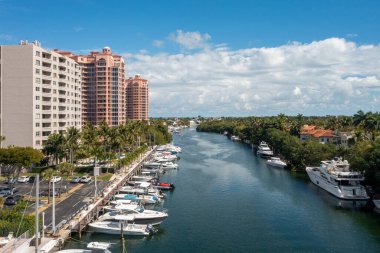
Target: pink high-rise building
x=103 y=87
x=137 y=98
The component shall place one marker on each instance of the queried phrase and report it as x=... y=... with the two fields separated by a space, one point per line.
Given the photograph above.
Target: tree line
x=283 y=135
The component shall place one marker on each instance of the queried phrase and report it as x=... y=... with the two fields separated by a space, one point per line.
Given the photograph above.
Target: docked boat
x=138 y=215
x=147 y=199
x=336 y=178
x=153 y=165
x=376 y=201
x=164 y=186
x=169 y=165
x=92 y=247
x=276 y=162
x=138 y=179
x=120 y=207
x=117 y=227
x=264 y=149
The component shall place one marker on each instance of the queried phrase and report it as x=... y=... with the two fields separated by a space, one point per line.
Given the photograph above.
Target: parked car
x=12 y=200
x=85 y=179
x=55 y=179
x=11 y=180
x=23 y=179
x=7 y=191
x=32 y=179
x=75 y=180
x=46 y=193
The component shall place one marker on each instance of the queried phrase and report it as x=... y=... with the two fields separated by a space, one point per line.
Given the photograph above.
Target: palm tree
x=54 y=146
x=90 y=141
x=359 y=118
x=71 y=141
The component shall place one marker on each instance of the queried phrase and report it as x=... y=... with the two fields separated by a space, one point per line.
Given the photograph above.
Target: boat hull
x=343 y=192
x=114 y=228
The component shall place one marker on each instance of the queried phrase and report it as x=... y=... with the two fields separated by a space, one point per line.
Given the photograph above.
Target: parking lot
x=29 y=188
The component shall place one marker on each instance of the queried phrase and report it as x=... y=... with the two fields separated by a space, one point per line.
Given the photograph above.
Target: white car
x=75 y=180
x=85 y=179
x=23 y=179
x=55 y=179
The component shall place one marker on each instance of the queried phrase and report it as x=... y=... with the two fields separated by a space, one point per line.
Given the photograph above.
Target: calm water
x=227 y=200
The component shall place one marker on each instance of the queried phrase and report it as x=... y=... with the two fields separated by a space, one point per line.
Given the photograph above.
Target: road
x=75 y=202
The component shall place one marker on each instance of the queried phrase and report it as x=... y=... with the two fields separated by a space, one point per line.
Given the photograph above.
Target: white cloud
x=157 y=43
x=331 y=76
x=190 y=40
x=297 y=91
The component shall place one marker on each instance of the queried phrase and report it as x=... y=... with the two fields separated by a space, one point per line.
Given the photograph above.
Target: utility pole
x=37 y=204
x=53 y=206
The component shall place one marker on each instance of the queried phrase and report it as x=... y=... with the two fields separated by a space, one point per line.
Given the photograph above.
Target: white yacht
x=147 y=199
x=115 y=228
x=139 y=216
x=336 y=177
x=264 y=149
x=276 y=162
x=120 y=207
x=169 y=165
x=92 y=247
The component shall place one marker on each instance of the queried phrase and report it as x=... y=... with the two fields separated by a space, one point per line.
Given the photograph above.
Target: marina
x=227 y=200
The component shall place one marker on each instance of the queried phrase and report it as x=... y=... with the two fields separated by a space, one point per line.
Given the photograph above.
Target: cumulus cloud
x=157 y=43
x=190 y=40
x=331 y=76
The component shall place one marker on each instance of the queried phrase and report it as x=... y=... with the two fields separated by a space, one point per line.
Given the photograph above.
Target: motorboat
x=147 y=199
x=120 y=207
x=336 y=178
x=152 y=165
x=92 y=247
x=264 y=149
x=235 y=138
x=376 y=201
x=138 y=215
x=169 y=165
x=120 y=227
x=164 y=186
x=276 y=162
x=138 y=179
x=141 y=188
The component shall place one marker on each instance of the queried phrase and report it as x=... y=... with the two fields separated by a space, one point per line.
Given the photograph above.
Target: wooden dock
x=89 y=213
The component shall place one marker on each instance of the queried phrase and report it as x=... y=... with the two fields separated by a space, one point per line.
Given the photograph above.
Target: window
x=38 y=62
x=38 y=71
x=54 y=58
x=54 y=66
x=37 y=124
x=37 y=106
x=37 y=88
x=37 y=97
x=38 y=53
x=37 y=142
x=54 y=83
x=37 y=133
x=38 y=80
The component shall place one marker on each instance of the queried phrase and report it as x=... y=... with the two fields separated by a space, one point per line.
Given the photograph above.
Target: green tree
x=55 y=146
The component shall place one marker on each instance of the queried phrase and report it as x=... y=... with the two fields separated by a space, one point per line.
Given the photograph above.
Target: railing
x=21 y=241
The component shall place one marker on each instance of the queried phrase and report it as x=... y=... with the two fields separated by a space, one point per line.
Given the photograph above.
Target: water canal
x=227 y=200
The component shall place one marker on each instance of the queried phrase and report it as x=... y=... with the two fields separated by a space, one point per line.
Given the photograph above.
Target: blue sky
x=186 y=36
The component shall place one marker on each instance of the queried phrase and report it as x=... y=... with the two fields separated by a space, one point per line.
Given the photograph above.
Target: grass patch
x=105 y=177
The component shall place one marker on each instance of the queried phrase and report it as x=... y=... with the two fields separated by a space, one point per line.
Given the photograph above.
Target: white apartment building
x=40 y=94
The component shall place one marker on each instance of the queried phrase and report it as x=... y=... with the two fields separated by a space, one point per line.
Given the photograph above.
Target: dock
x=89 y=213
